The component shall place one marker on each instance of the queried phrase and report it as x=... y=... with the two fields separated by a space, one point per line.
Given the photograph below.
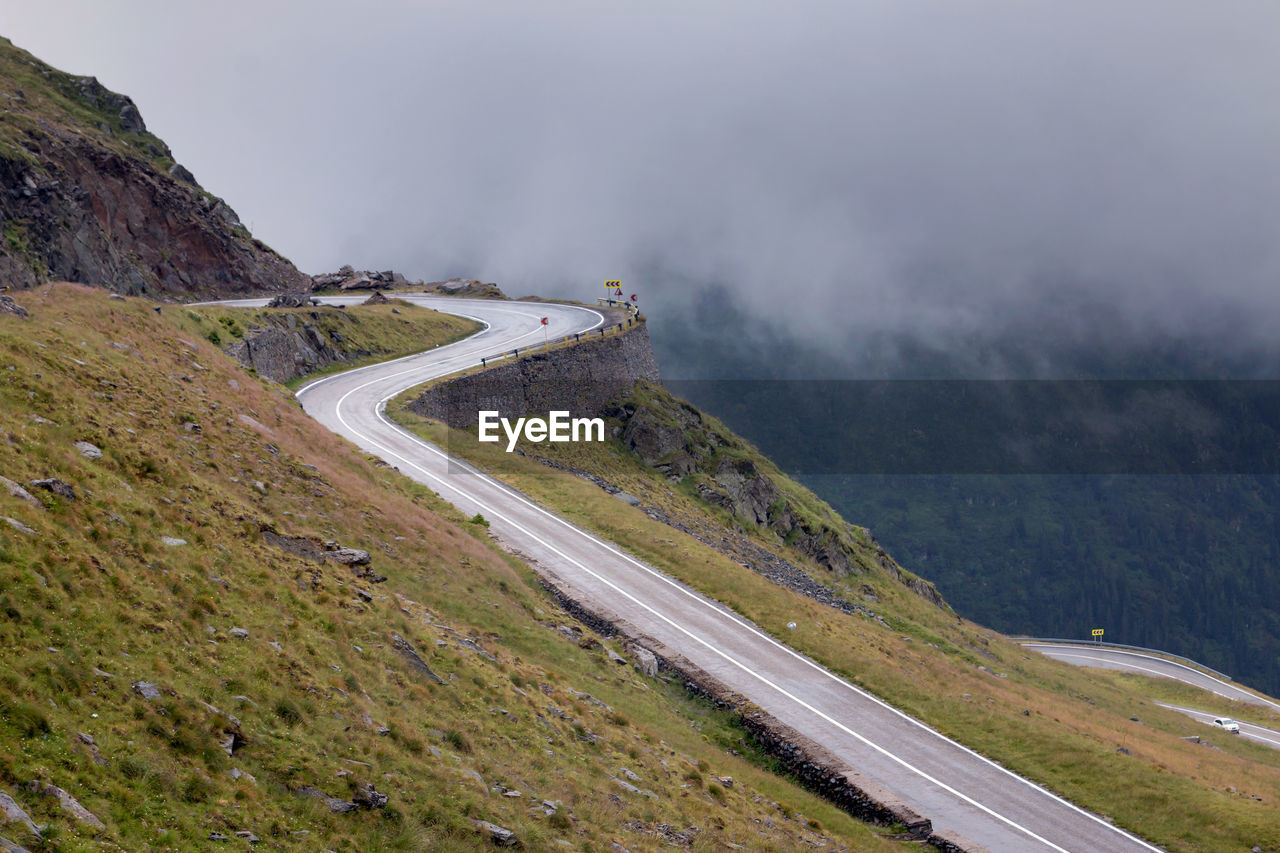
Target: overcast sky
x=839 y=166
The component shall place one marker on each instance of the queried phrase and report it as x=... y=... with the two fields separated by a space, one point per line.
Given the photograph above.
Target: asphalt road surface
x=1262 y=734
x=957 y=789
x=1102 y=657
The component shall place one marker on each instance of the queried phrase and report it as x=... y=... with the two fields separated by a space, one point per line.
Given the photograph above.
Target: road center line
x=520 y=498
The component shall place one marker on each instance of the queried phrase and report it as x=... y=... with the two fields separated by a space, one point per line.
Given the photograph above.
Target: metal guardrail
x=614 y=303
x=560 y=343
x=1091 y=642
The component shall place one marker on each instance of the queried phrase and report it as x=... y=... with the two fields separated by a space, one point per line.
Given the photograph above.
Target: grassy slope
x=964 y=680
x=364 y=333
x=95 y=600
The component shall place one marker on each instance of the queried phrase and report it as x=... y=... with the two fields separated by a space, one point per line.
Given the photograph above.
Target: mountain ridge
x=91 y=196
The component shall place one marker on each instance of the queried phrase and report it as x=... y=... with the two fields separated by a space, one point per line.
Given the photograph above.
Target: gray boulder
x=335 y=805
x=146 y=690
x=646 y=661
x=368 y=797
x=68 y=803
x=88 y=451
x=16 y=491
x=349 y=556
x=7 y=846
x=18 y=525
x=8 y=306
x=290 y=299
x=11 y=812
x=498 y=835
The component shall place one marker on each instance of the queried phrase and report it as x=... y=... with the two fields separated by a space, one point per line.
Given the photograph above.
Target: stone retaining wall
x=579 y=379
x=813 y=765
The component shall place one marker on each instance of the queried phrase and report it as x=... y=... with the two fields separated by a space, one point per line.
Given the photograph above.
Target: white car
x=1228 y=725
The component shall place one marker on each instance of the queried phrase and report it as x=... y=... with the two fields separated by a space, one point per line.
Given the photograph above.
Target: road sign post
x=1097 y=635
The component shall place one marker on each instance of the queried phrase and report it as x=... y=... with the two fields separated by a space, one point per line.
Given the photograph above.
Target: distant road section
x=961 y=792
x=1261 y=734
x=1102 y=657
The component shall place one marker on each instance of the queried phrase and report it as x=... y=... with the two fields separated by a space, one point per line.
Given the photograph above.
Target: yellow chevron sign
x=613 y=285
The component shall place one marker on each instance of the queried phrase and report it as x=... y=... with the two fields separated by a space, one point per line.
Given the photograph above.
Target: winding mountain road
x=962 y=793
x=1102 y=657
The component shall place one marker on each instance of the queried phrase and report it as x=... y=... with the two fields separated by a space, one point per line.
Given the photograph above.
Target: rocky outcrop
x=88 y=195
x=348 y=278
x=292 y=299
x=11 y=812
x=292 y=345
x=466 y=287
x=365 y=797
x=415 y=661
x=311 y=548
x=8 y=306
x=67 y=803
x=676 y=440
x=673 y=438
x=283 y=354
x=580 y=379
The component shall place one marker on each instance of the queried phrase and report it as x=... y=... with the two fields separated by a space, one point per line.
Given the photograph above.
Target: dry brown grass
x=96 y=583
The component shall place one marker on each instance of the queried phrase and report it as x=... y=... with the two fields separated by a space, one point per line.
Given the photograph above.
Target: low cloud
x=841 y=170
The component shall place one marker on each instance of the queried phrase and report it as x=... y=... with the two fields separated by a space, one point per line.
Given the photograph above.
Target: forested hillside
x=1187 y=564
x=1166 y=559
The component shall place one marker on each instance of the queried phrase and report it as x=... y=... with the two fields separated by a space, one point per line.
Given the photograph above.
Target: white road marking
x=714 y=650
x=497 y=514
x=1134 y=667
x=1232 y=696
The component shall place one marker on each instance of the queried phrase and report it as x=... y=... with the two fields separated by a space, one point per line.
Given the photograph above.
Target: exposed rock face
x=654 y=438
x=749 y=494
x=95 y=217
x=411 y=656
x=146 y=690
x=104 y=203
x=336 y=805
x=580 y=379
x=180 y=172
x=280 y=354
x=675 y=439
